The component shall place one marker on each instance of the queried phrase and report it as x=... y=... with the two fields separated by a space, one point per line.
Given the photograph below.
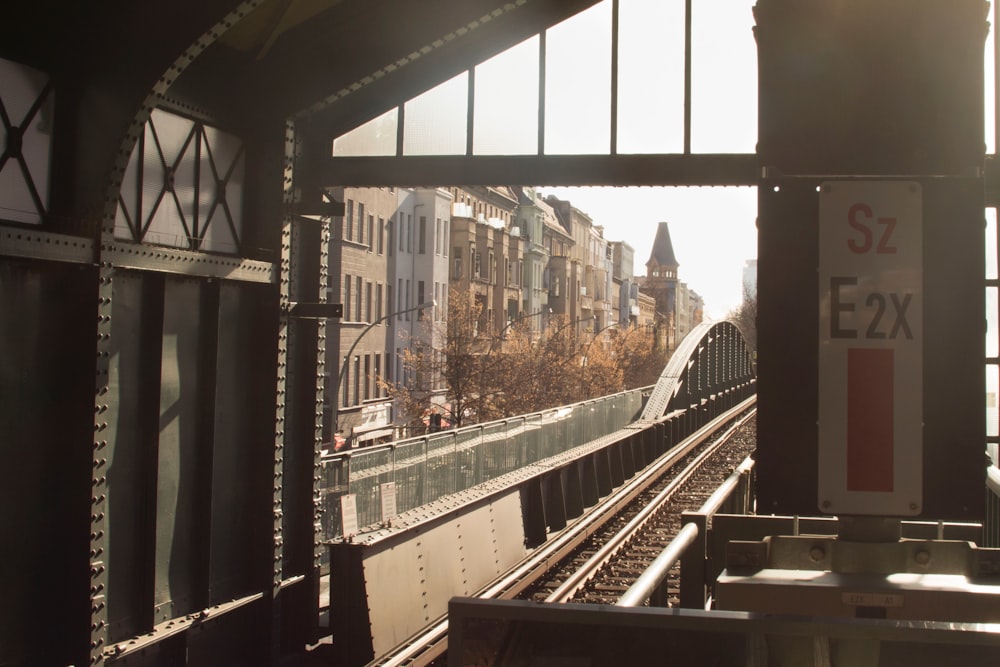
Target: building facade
x=356 y=404
x=534 y=216
x=624 y=293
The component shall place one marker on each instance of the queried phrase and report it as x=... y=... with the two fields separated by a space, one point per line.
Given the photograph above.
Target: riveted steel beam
x=623 y=170
x=36 y=244
x=186 y=262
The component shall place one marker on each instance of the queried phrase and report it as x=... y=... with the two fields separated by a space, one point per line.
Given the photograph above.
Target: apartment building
x=356 y=406
x=418 y=272
x=534 y=215
x=486 y=256
x=624 y=291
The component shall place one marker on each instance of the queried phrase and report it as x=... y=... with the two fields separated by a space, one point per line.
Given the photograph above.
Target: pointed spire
x=663 y=249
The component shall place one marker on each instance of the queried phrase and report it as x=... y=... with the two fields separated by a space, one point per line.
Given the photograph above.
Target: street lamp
x=350 y=350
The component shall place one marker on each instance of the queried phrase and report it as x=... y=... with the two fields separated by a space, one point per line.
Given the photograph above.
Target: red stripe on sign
x=869 y=419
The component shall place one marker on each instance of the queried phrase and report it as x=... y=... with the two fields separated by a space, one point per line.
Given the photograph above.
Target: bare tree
x=457 y=365
x=745 y=317
x=640 y=358
x=516 y=371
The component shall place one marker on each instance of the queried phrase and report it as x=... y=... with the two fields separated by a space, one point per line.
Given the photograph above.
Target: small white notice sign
x=388 y=501
x=348 y=515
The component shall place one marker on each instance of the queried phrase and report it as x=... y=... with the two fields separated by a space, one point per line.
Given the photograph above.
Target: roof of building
x=663 y=250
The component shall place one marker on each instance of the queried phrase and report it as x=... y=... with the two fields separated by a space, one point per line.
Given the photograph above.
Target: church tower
x=660 y=282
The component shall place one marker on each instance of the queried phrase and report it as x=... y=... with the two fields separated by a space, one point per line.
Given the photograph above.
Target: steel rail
x=422 y=648
x=543 y=558
x=580 y=577
x=650 y=580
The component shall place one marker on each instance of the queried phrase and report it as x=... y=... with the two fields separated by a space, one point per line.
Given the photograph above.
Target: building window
x=368 y=376
x=399 y=300
x=381 y=236
x=371 y=232
x=457 y=254
x=378 y=301
x=361 y=222
x=349 y=222
x=357 y=297
x=402 y=233
x=368 y=302
x=344 y=390
x=378 y=375
x=407 y=300
x=357 y=379
x=420 y=298
x=347 y=298
x=422 y=237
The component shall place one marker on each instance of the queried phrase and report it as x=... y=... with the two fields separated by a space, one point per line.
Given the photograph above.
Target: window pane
x=578 y=83
x=989 y=94
x=506 y=114
x=651 y=76
x=434 y=122
x=991 y=243
x=376 y=137
x=20 y=88
x=992 y=386
x=992 y=337
x=723 y=78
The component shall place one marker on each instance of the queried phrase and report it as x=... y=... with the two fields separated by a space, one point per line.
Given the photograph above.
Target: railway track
x=596 y=558
x=612 y=559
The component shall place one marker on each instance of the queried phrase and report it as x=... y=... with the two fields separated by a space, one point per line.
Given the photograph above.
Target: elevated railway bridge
x=163 y=317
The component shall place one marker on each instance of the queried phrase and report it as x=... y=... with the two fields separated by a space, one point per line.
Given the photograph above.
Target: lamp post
x=350 y=350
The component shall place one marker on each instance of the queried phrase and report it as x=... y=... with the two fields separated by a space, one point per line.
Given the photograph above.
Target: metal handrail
x=650 y=580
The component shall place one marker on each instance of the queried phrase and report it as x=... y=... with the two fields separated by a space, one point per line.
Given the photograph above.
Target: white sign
x=388 y=493
x=348 y=515
x=870 y=348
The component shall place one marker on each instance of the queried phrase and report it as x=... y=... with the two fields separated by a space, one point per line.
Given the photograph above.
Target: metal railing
x=732 y=495
x=428 y=467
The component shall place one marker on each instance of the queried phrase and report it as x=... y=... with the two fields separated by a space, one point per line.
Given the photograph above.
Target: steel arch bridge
x=712 y=363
